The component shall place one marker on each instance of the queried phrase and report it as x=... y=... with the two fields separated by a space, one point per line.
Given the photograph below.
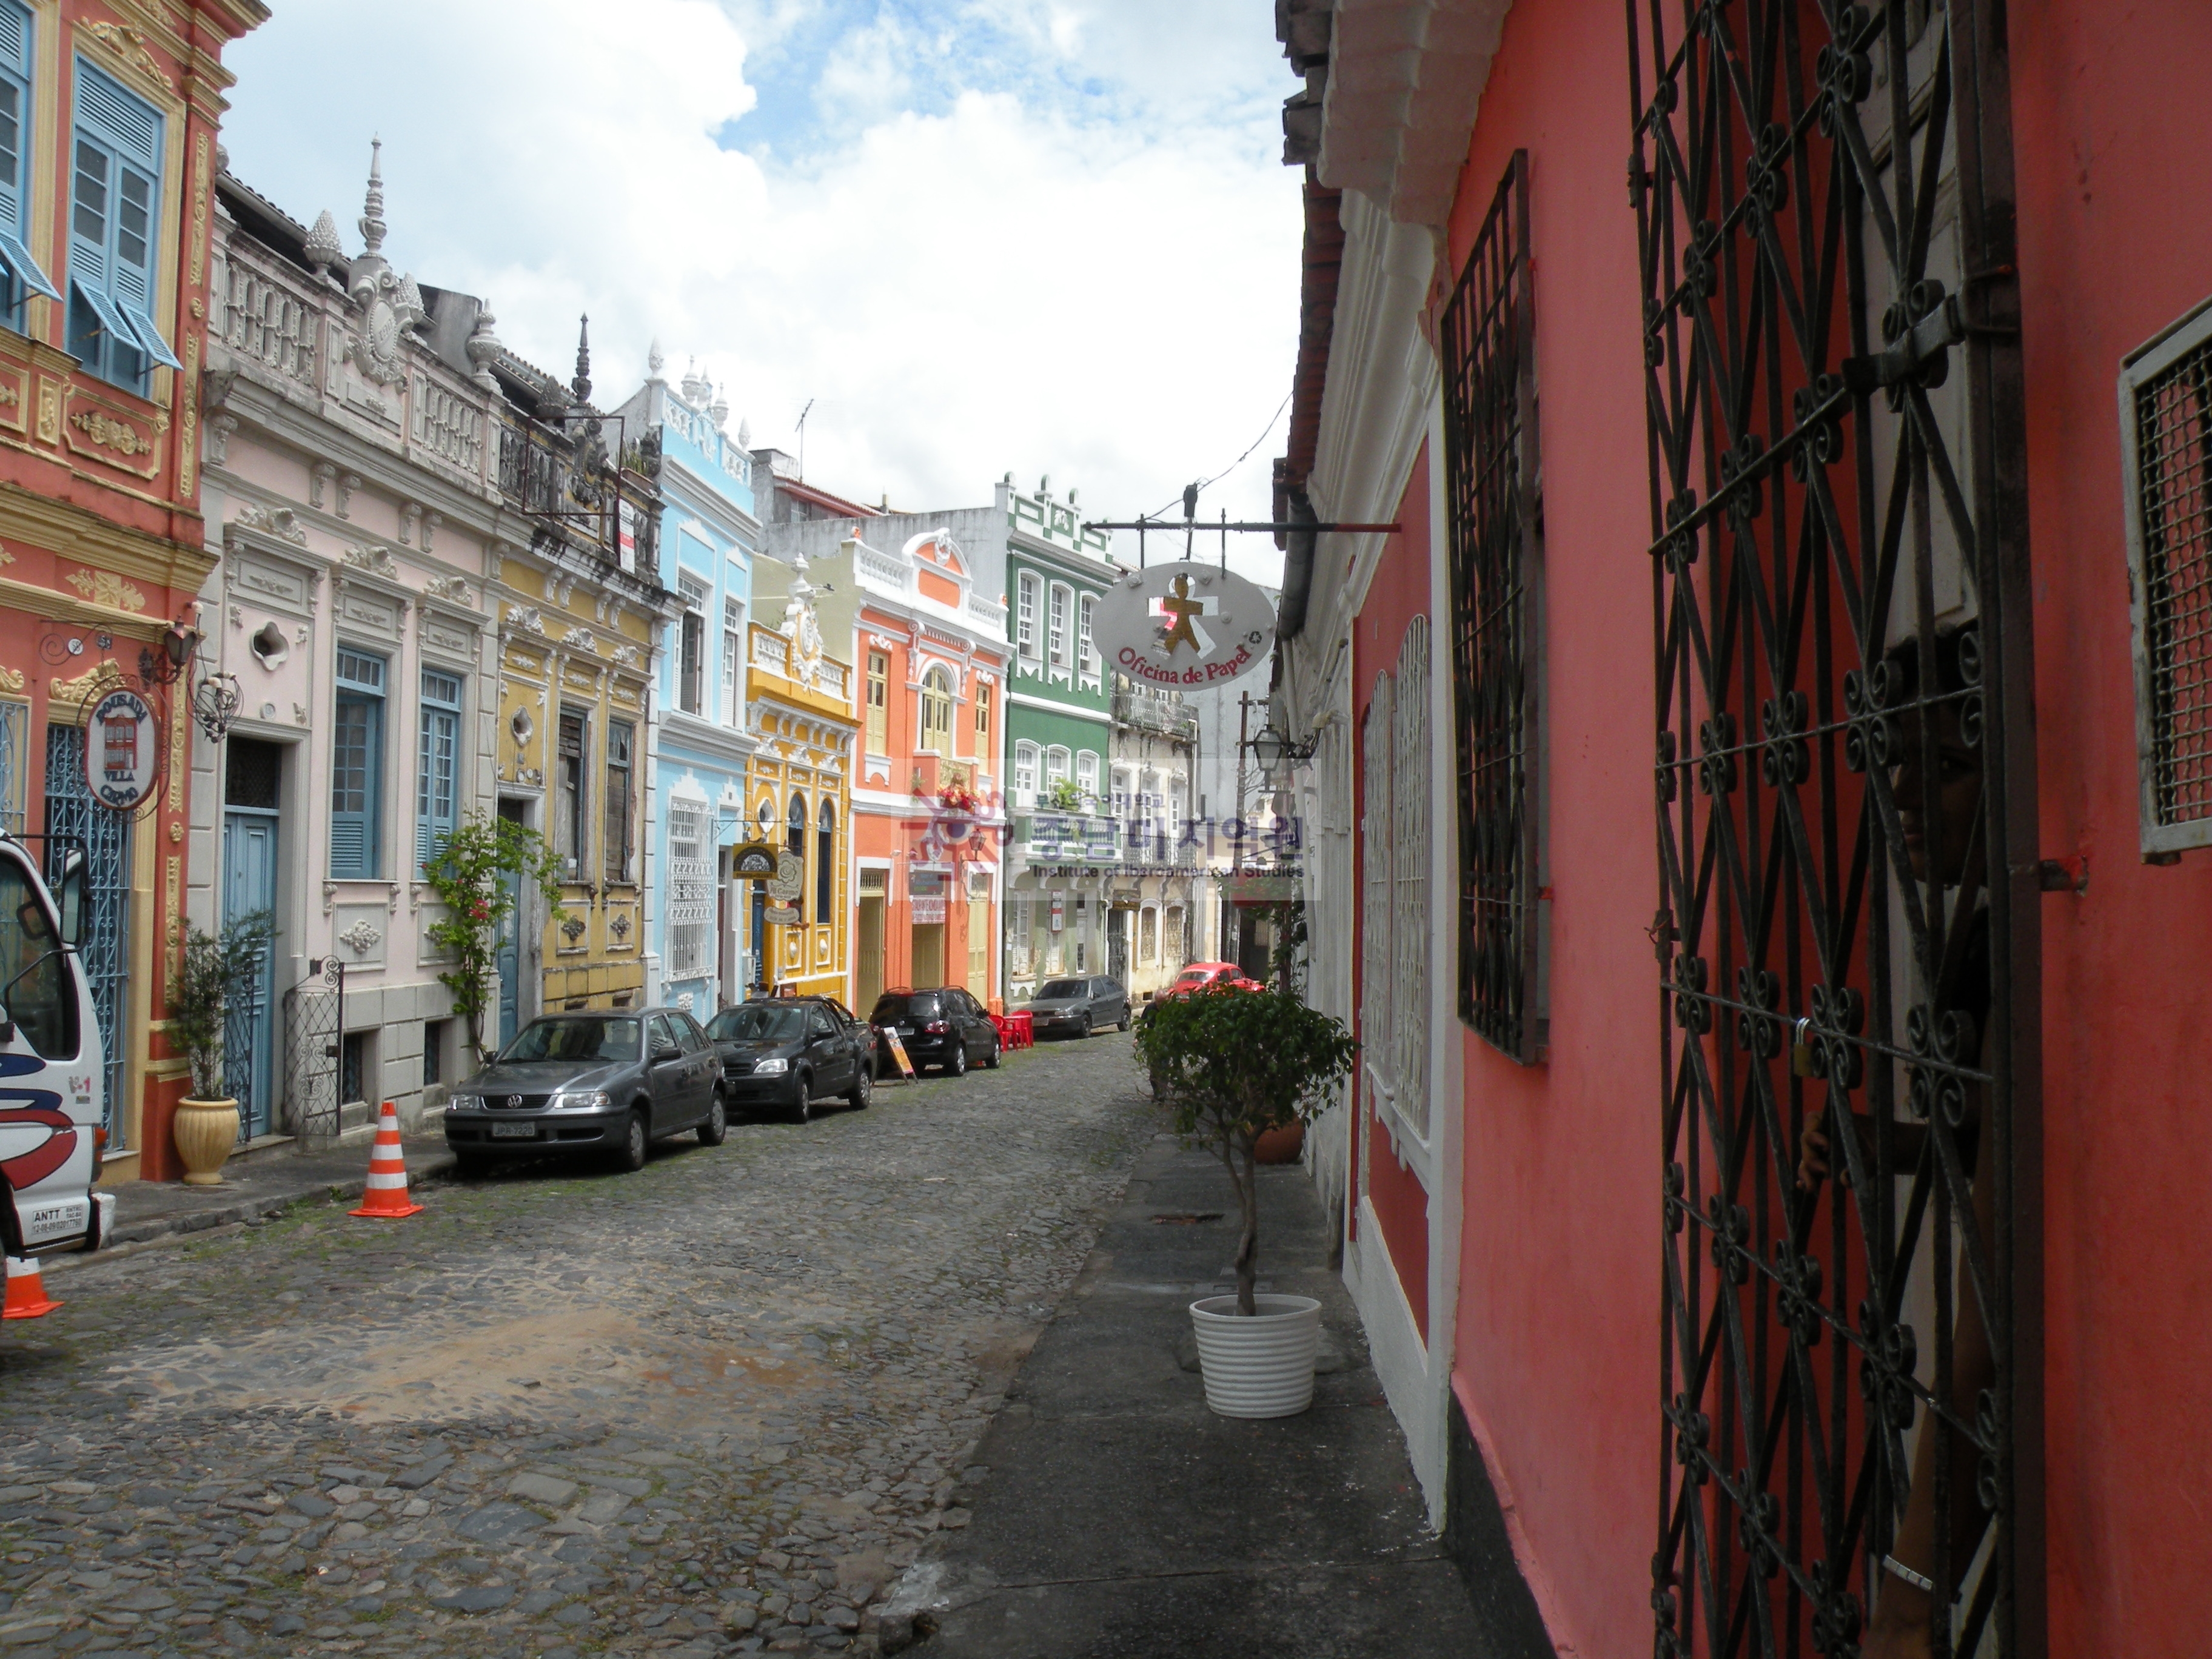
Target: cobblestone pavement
x=714 y=1408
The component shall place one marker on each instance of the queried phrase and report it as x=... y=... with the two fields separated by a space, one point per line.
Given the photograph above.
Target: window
x=1025 y=633
x=23 y=275
x=795 y=839
x=433 y=1052
x=879 y=697
x=1494 y=530
x=1124 y=792
x=691 y=654
x=825 y=864
x=1086 y=777
x=1025 y=772
x=982 y=717
x=41 y=994
x=1055 y=767
x=356 y=1065
x=356 y=765
x=571 y=829
x=621 y=763
x=1058 y=638
x=437 y=765
x=936 y=712
x=1148 y=935
x=114 y=227
x=690 y=889
x=733 y=647
x=1086 y=659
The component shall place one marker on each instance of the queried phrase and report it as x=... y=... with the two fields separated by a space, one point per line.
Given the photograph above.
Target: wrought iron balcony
x=1150 y=712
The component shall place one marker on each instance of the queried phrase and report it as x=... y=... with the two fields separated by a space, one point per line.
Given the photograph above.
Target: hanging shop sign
x=753 y=862
x=781 y=915
x=790 y=878
x=122 y=751
x=1184 y=626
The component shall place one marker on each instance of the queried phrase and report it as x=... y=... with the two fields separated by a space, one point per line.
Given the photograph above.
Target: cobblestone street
x=714 y=1407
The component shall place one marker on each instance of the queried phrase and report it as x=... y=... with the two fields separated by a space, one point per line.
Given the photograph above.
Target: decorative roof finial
x=582 y=386
x=655 y=363
x=372 y=212
x=695 y=384
x=721 y=411
x=484 y=347
x=324 y=249
x=744 y=433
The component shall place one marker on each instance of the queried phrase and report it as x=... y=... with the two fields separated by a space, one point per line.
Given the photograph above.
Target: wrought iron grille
x=1841 y=640
x=1492 y=477
x=314 y=1018
x=73 y=816
x=2166 y=393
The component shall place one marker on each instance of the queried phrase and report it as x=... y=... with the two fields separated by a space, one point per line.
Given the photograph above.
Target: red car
x=1212 y=973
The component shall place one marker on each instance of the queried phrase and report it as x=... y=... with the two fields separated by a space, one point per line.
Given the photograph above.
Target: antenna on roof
x=803 y=414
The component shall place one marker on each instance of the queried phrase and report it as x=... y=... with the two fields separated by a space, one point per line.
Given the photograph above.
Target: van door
x=50 y=1063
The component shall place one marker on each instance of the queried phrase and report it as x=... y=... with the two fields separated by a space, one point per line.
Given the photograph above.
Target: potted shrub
x=1232 y=1064
x=468 y=877
x=214 y=968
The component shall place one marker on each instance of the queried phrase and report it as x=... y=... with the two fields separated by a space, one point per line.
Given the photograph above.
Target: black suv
x=789 y=1052
x=944 y=1027
x=590 y=1083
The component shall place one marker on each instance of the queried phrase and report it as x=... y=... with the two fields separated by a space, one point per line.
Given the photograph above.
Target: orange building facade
x=107 y=162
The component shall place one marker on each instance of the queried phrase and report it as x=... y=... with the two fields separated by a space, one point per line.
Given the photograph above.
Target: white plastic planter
x=1263 y=1366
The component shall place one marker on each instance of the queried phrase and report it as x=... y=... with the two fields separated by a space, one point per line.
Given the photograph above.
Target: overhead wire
x=1202 y=484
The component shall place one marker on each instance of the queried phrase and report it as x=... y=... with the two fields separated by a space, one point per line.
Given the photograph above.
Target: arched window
x=795 y=837
x=936 y=711
x=825 y=864
x=1025 y=772
x=1086 y=777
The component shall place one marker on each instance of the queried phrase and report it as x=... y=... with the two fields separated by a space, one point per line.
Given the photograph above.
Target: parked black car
x=608 y=1082
x=1077 y=1007
x=945 y=1027
x=787 y=1053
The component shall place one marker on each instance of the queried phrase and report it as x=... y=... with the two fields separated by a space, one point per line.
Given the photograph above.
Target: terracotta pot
x=205 y=1132
x=1280 y=1146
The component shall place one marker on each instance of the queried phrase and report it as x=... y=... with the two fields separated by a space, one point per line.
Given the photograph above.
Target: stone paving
x=715 y=1407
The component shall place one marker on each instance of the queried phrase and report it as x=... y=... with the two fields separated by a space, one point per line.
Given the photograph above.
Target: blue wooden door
x=249 y=885
x=510 y=960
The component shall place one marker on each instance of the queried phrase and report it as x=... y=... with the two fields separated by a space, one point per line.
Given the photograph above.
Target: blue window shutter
x=16 y=130
x=356 y=783
x=114 y=249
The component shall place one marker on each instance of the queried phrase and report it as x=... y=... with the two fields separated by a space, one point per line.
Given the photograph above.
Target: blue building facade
x=698 y=952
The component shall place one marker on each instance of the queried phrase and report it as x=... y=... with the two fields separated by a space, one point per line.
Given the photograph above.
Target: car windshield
x=753 y=1022
x=1063 y=988
x=574 y=1039
x=921 y=1005
x=1196 y=976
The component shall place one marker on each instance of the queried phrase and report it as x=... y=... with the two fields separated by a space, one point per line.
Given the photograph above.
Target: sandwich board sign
x=898 y=1054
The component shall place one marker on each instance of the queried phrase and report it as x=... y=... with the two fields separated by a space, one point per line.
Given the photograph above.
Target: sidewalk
x=149 y=1210
x=1113 y=1514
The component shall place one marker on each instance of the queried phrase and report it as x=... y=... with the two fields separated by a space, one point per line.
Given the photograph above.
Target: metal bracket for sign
x=1190 y=528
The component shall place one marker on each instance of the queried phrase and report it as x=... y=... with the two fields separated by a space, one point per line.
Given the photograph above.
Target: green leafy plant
x=1287 y=963
x=1066 y=795
x=1233 y=1063
x=214 y=968
x=468 y=874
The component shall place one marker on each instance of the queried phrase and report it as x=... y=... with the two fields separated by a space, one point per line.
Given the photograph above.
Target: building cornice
x=71 y=532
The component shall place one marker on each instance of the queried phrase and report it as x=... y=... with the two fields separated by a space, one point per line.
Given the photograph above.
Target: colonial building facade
x=702 y=953
x=106 y=186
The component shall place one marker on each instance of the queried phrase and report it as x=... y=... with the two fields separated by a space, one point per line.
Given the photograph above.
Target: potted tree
x=214 y=968
x=1232 y=1064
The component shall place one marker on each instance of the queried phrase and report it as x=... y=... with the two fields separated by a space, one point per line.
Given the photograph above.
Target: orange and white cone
x=27 y=1292
x=386 y=1196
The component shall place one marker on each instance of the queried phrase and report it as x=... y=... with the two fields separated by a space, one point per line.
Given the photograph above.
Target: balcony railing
x=1152 y=713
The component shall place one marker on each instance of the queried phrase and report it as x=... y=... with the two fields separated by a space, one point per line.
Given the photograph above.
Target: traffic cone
x=27 y=1292
x=386 y=1196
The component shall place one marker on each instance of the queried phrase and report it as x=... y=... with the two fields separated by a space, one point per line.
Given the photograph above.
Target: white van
x=51 y=1078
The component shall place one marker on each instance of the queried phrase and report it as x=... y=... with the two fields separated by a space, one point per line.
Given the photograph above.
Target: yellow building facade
x=800 y=783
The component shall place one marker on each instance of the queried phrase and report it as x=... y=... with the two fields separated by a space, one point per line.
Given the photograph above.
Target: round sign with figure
x=790 y=879
x=1185 y=626
x=122 y=751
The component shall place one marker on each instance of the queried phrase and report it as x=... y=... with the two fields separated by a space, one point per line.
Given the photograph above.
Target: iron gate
x=1845 y=760
x=72 y=814
x=314 y=1027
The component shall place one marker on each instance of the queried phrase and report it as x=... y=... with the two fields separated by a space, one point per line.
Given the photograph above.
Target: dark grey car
x=1077 y=1007
x=605 y=1083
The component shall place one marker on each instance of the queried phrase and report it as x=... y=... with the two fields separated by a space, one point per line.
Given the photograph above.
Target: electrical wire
x=1177 y=500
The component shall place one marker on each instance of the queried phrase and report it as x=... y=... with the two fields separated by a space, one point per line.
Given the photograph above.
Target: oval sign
x=122 y=751
x=1184 y=626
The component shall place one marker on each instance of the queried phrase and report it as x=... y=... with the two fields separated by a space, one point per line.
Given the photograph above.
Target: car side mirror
x=663 y=1051
x=72 y=899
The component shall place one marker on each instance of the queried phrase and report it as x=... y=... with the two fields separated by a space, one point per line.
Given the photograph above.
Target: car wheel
x=631 y=1157
x=864 y=1085
x=957 y=1066
x=1124 y=1025
x=991 y=1059
x=1083 y=1028
x=716 y=1127
x=802 y=1099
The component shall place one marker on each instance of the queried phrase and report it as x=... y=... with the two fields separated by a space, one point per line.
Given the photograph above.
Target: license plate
x=906 y=1031
x=514 y=1131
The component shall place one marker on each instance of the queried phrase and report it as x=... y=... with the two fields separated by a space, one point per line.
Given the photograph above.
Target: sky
x=1052 y=237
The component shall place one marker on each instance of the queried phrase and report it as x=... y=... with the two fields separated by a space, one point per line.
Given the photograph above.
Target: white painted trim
x=1098 y=716
x=1401 y=1360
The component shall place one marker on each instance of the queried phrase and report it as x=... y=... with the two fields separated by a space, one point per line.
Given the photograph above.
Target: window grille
x=2166 y=419
x=1495 y=522
x=1409 y=880
x=690 y=890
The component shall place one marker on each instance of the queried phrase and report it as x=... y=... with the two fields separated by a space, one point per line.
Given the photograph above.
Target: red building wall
x=2114 y=175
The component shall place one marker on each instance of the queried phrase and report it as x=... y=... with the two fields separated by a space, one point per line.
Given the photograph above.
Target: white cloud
x=979 y=264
